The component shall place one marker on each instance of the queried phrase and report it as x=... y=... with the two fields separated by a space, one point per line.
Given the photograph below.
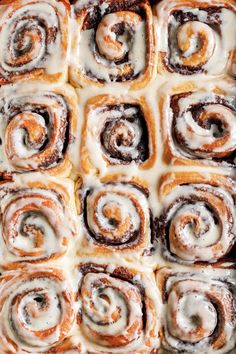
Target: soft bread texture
x=37 y=220
x=194 y=36
x=125 y=133
x=38 y=127
x=109 y=58
x=45 y=25
x=117 y=177
x=187 y=111
x=212 y=302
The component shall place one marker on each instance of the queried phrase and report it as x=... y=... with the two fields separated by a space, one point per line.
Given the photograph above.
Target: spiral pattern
x=204 y=127
x=112 y=48
x=117 y=310
x=36 y=130
x=117 y=216
x=121 y=129
x=197 y=223
x=117 y=37
x=193 y=46
x=200 y=314
x=33 y=36
x=196 y=41
x=35 y=225
x=124 y=136
x=193 y=36
x=111 y=41
x=111 y=310
x=36 y=311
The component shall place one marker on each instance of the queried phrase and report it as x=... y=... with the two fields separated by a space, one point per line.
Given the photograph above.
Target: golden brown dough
x=199 y=122
x=124 y=134
x=199 y=311
x=37 y=220
x=38 y=126
x=196 y=36
x=34 y=40
x=197 y=224
x=114 y=42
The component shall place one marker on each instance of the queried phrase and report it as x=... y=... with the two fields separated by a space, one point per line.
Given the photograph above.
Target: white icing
x=38 y=212
x=16 y=151
x=114 y=212
x=42 y=52
x=192 y=315
x=100 y=64
x=220 y=42
x=196 y=136
x=199 y=141
x=202 y=232
x=30 y=315
x=76 y=253
x=104 y=310
x=122 y=130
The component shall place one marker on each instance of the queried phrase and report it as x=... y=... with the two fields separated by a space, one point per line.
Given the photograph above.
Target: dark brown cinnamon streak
x=200 y=312
x=117 y=310
x=198 y=220
x=39 y=124
x=117 y=38
x=33 y=40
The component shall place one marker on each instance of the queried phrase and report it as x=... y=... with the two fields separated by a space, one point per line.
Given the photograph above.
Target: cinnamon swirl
x=34 y=40
x=37 y=220
x=199 y=312
x=119 y=310
x=114 y=42
x=121 y=130
x=199 y=123
x=198 y=220
x=36 y=311
x=196 y=36
x=37 y=128
x=116 y=219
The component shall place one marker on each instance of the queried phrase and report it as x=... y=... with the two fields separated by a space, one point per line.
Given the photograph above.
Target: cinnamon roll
x=37 y=220
x=37 y=128
x=117 y=131
x=34 y=40
x=119 y=310
x=199 y=312
x=196 y=36
x=198 y=220
x=114 y=42
x=199 y=123
x=116 y=219
x=36 y=311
